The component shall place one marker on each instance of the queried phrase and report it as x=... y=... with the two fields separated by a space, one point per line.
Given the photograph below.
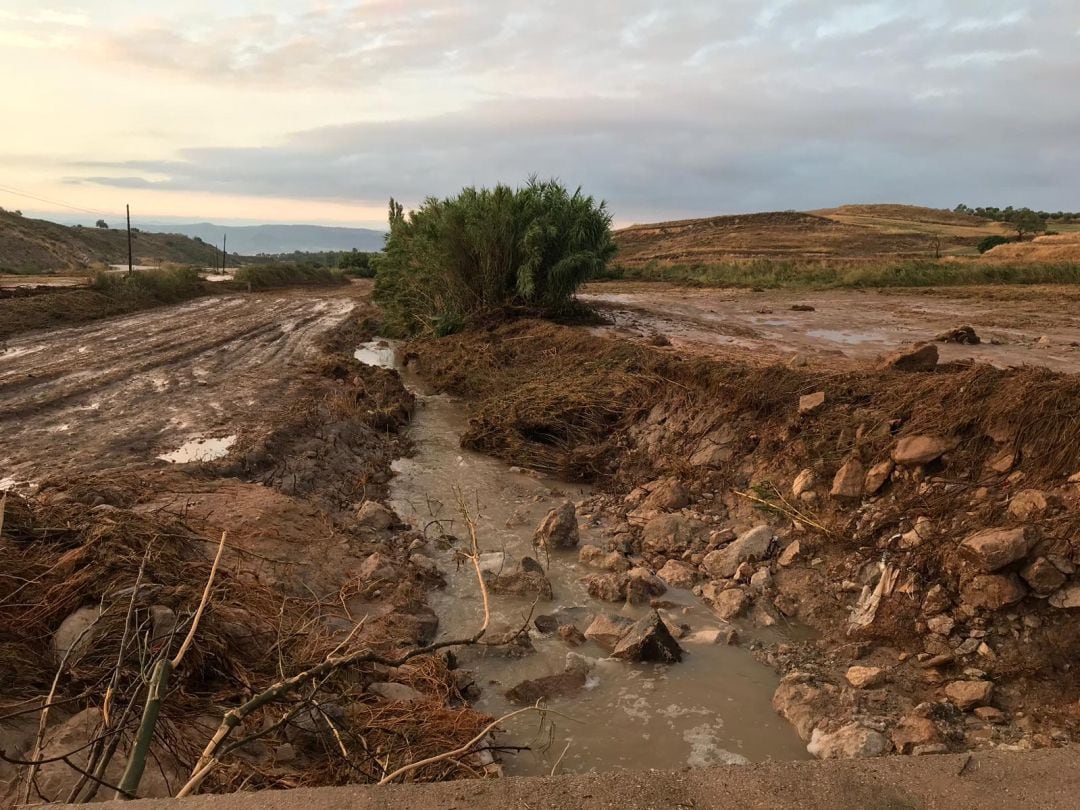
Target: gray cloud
x=665 y=109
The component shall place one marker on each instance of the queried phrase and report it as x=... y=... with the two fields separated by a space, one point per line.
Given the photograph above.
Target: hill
x=252 y=240
x=37 y=245
x=847 y=233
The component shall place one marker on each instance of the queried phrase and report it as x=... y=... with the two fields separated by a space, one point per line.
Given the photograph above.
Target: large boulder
x=607 y=587
x=848 y=742
x=643 y=585
x=969 y=694
x=1067 y=598
x=563 y=684
x=606 y=629
x=913 y=450
x=527 y=578
x=727 y=603
x=671 y=534
x=667 y=494
x=849 y=479
x=648 y=640
x=803 y=701
x=913 y=731
x=559 y=529
x=993 y=591
x=1042 y=576
x=750 y=546
x=678 y=574
x=374 y=516
x=992 y=549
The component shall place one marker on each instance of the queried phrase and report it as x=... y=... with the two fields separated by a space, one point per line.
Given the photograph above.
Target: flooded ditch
x=713 y=708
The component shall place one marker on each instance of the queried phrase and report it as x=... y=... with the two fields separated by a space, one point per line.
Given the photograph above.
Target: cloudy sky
x=318 y=111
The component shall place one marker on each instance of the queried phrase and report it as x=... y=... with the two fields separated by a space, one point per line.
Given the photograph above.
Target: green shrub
x=991 y=242
x=284 y=274
x=357 y=263
x=164 y=286
x=488 y=249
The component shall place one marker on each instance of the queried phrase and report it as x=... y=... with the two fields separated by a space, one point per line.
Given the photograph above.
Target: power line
x=18 y=193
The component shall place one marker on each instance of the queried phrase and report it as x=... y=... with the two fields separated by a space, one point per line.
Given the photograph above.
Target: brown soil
x=728 y=428
x=84 y=413
x=849 y=233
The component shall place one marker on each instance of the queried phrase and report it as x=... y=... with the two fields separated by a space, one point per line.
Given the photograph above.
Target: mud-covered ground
x=1017 y=325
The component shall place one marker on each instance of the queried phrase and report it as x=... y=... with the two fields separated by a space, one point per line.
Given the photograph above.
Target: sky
x=319 y=112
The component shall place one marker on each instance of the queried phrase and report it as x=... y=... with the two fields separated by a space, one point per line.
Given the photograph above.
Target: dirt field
x=120 y=392
x=1037 y=326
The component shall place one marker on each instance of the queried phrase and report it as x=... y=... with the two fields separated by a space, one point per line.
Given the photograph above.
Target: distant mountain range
x=251 y=240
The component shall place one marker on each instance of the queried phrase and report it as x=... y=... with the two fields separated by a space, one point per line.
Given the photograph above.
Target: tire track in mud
x=120 y=392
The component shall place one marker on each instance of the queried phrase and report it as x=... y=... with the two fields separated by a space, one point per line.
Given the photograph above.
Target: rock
x=848 y=742
x=1003 y=460
x=1043 y=576
x=425 y=565
x=790 y=554
x=878 y=476
x=865 y=677
x=912 y=450
x=802 y=702
x=1027 y=504
x=74 y=635
x=671 y=534
x=559 y=529
x=992 y=549
x=284 y=753
x=642 y=586
x=989 y=714
x=712 y=635
x=607 y=587
x=546 y=624
x=678 y=574
x=162 y=623
x=313 y=728
x=571 y=635
x=919 y=533
x=751 y=546
x=961 y=334
x=563 y=684
x=811 y=402
x=729 y=603
x=920 y=357
x=937 y=600
x=667 y=495
x=942 y=624
x=760 y=580
x=72 y=738
x=374 y=516
x=397 y=692
x=527 y=578
x=1067 y=598
x=596 y=557
x=913 y=731
x=802 y=308
x=495 y=562
x=804 y=482
x=969 y=694
x=849 y=480
x=648 y=640
x=993 y=591
x=606 y=629
x=377 y=568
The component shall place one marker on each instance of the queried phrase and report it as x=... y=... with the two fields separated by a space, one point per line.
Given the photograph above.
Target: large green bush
x=489 y=249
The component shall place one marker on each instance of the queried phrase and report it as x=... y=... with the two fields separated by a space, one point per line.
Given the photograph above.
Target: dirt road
x=1018 y=325
x=125 y=390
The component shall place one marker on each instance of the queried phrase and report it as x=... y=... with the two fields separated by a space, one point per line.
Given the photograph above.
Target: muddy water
x=713 y=708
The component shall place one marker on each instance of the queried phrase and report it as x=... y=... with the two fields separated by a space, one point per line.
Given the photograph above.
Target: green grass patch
x=164 y=286
x=285 y=274
x=774 y=274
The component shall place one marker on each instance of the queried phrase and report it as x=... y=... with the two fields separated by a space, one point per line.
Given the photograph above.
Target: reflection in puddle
x=376 y=353
x=208 y=449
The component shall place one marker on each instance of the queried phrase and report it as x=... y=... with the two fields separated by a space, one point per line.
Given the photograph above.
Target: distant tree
x=1026 y=221
x=991 y=242
x=102 y=224
x=18 y=213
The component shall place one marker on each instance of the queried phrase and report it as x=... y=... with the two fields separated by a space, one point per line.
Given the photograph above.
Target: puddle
x=207 y=449
x=713 y=708
x=848 y=338
x=376 y=353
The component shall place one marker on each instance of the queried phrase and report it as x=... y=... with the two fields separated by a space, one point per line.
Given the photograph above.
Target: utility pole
x=224 y=242
x=131 y=265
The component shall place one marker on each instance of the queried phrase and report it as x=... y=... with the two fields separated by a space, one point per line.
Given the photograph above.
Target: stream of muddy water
x=713 y=708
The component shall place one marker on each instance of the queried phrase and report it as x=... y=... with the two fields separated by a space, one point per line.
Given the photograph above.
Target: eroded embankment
x=926 y=523
x=102 y=573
